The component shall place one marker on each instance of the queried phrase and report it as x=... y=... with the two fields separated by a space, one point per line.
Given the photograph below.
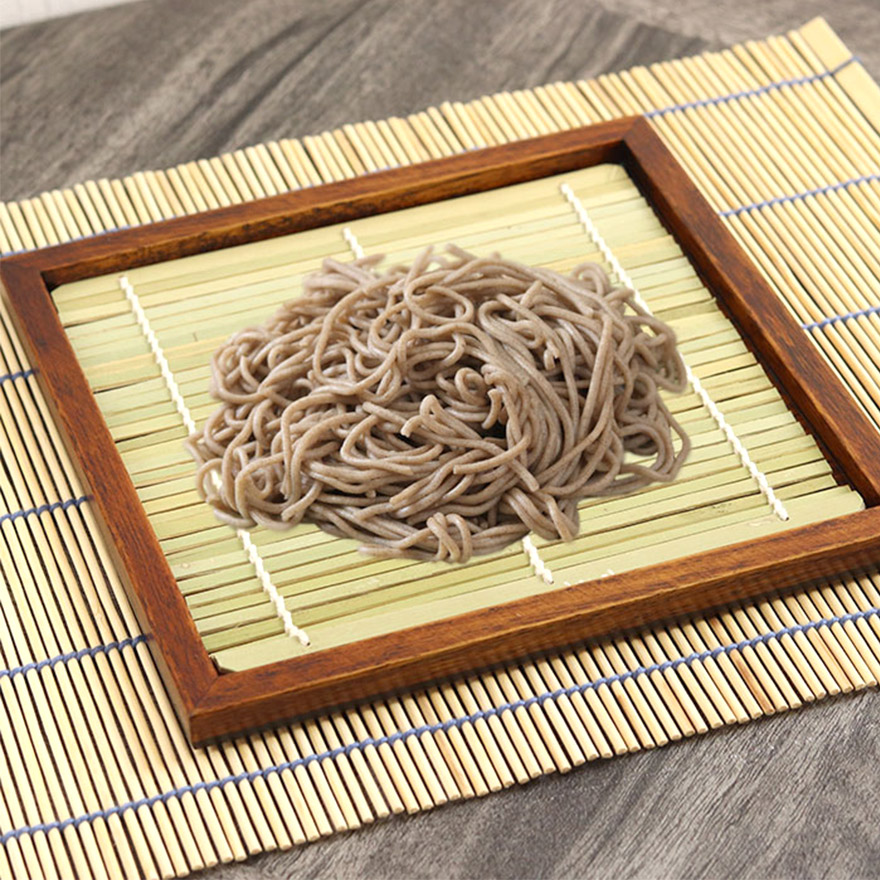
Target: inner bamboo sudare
x=442 y=409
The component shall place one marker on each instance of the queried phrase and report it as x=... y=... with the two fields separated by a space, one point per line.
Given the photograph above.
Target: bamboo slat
x=96 y=778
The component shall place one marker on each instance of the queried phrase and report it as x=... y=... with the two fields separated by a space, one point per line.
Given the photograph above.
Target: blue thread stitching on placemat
x=751 y=93
x=818 y=191
x=861 y=313
x=37 y=665
x=821 y=190
x=44 y=508
x=18 y=374
x=376 y=742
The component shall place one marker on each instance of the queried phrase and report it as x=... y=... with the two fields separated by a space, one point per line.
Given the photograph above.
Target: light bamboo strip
x=11 y=240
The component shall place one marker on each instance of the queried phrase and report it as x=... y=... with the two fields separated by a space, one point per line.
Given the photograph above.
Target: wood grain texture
x=155 y=83
x=270 y=69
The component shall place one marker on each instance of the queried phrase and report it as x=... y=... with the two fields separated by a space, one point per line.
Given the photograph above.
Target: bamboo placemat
x=96 y=778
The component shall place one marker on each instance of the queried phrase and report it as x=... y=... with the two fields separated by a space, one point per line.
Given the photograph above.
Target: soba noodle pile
x=442 y=409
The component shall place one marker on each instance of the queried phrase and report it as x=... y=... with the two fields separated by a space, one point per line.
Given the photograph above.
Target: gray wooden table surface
x=159 y=82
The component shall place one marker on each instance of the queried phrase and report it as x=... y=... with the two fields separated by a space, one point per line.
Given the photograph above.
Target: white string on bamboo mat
x=623 y=276
x=353 y=243
x=541 y=569
x=253 y=554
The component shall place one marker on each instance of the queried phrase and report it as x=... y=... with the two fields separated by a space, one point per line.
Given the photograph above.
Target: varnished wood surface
x=159 y=82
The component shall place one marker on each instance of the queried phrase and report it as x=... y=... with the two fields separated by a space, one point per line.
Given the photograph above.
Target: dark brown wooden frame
x=213 y=704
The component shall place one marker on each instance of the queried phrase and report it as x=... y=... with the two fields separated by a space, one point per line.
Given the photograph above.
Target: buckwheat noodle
x=442 y=409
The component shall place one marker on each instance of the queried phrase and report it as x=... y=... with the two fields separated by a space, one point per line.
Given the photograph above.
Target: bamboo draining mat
x=96 y=778
x=332 y=591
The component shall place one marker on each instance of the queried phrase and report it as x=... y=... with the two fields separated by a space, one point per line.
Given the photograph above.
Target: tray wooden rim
x=212 y=704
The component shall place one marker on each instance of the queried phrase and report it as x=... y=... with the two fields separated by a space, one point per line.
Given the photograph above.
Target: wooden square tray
x=212 y=704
